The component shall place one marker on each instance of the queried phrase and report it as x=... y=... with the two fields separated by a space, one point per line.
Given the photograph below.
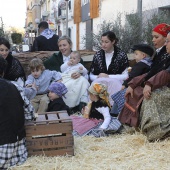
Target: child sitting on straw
x=97 y=119
x=57 y=90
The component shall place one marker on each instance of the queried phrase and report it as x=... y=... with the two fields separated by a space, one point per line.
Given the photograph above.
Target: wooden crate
x=50 y=134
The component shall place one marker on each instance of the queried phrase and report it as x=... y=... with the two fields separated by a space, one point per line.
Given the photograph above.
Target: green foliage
x=16 y=38
x=130 y=33
x=134 y=30
x=151 y=23
x=1 y=32
x=94 y=39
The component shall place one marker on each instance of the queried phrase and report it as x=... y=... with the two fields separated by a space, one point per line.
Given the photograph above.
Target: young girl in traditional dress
x=96 y=118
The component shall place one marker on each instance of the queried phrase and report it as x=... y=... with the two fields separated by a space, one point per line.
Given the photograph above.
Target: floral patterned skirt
x=155 y=115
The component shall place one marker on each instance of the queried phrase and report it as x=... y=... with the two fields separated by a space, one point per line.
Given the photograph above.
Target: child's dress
x=99 y=122
x=73 y=69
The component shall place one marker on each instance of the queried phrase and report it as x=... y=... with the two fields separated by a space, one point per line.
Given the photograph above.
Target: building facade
x=85 y=16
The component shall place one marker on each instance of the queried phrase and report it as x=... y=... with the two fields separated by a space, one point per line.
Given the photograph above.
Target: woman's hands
x=75 y=75
x=147 y=92
x=103 y=75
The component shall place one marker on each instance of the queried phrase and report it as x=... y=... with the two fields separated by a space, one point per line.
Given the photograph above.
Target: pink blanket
x=82 y=125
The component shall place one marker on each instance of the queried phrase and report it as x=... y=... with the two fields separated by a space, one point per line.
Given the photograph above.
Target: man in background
x=47 y=40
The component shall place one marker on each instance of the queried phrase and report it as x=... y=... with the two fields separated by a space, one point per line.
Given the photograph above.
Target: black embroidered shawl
x=118 y=63
x=14 y=69
x=160 y=63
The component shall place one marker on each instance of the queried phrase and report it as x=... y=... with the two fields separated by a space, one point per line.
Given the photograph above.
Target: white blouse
x=108 y=57
x=120 y=77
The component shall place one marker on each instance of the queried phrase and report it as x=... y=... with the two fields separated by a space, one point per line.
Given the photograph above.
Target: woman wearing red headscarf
x=159 y=34
x=154 y=115
x=161 y=57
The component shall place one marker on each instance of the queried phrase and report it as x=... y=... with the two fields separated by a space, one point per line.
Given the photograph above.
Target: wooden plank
x=41 y=118
x=49 y=142
x=53 y=112
x=77 y=11
x=33 y=123
x=68 y=151
x=46 y=129
x=52 y=117
x=94 y=9
x=64 y=117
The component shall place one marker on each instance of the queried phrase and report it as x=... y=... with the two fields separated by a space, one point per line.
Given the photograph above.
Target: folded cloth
x=82 y=125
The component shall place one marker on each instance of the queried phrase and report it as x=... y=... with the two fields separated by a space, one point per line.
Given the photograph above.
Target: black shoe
x=78 y=108
x=81 y=105
x=114 y=115
x=74 y=109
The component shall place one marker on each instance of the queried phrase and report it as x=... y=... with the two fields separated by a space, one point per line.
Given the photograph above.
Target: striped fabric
x=119 y=99
x=114 y=126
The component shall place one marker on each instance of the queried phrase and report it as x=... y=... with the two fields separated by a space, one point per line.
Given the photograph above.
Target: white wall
x=73 y=34
x=82 y=28
x=151 y=4
x=110 y=8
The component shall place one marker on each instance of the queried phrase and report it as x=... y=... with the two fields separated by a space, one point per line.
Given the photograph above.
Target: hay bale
x=87 y=57
x=26 y=57
x=118 y=152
